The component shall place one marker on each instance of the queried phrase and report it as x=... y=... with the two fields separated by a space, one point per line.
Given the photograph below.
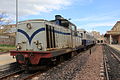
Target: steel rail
x=10 y=74
x=115 y=56
x=105 y=65
x=106 y=69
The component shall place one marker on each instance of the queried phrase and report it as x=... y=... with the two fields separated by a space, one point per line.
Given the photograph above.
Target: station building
x=113 y=36
x=99 y=38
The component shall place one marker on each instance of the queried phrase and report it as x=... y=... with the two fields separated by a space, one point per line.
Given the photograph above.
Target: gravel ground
x=91 y=70
x=84 y=66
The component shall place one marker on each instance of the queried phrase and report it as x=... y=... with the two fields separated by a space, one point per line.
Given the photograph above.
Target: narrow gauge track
x=9 y=69
x=115 y=52
x=19 y=74
x=23 y=75
x=105 y=67
x=111 y=64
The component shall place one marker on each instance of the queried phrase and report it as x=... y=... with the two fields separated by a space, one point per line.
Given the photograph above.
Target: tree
x=4 y=19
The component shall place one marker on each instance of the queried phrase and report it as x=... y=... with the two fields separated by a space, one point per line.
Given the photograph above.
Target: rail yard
x=59 y=40
x=57 y=50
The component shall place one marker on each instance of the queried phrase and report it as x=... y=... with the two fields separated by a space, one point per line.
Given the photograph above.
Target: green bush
x=6 y=48
x=4 y=45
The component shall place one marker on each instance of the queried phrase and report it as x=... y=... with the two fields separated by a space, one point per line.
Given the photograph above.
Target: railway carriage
x=87 y=38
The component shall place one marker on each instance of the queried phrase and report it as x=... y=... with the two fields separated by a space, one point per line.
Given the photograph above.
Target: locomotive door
x=73 y=36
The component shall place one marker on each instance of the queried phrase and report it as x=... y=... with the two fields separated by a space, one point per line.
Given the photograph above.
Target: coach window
x=73 y=28
x=81 y=35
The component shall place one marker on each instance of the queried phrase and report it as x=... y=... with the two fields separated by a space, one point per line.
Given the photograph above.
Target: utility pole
x=16 y=19
x=16 y=13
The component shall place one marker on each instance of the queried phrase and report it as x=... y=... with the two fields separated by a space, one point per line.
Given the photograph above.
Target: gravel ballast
x=84 y=66
x=91 y=70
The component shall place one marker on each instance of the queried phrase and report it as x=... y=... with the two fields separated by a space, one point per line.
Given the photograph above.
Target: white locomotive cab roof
x=52 y=24
x=34 y=20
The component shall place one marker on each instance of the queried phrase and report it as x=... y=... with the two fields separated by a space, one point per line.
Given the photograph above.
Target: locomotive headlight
x=39 y=46
x=29 y=26
x=18 y=47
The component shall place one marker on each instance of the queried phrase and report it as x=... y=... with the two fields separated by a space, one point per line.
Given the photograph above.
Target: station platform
x=6 y=59
x=115 y=46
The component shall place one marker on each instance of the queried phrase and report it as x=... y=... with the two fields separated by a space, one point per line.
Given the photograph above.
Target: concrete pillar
x=119 y=39
x=110 y=39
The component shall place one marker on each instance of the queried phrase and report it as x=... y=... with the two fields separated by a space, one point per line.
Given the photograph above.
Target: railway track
x=105 y=68
x=111 y=63
x=9 y=69
x=19 y=74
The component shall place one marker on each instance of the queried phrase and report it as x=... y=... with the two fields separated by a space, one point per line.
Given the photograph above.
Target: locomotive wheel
x=72 y=54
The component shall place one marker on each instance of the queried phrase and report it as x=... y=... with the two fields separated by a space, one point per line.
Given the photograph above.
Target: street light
x=17 y=18
x=16 y=13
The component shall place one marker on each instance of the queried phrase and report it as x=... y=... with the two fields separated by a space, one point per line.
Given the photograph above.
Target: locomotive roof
x=32 y=20
x=62 y=19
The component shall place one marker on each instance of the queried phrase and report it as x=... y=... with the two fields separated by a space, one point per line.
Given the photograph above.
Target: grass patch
x=6 y=48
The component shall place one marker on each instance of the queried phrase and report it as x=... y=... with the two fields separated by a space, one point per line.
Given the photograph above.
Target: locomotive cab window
x=81 y=35
x=74 y=32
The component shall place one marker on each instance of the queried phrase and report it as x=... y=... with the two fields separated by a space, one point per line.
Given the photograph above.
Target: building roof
x=115 y=30
x=115 y=25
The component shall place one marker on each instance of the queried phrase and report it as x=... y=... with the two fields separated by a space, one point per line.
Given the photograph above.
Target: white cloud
x=100 y=27
x=96 y=18
x=100 y=22
x=95 y=25
x=109 y=16
x=33 y=7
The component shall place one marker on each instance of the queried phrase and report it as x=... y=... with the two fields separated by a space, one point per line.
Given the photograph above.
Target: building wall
x=6 y=37
x=7 y=40
x=115 y=34
x=119 y=39
x=100 y=38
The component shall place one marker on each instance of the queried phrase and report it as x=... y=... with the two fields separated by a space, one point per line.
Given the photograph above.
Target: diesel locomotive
x=40 y=41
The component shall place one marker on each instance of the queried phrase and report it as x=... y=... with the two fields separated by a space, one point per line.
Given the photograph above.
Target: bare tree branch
x=4 y=19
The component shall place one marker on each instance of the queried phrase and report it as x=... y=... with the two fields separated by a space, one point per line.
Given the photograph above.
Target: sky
x=98 y=15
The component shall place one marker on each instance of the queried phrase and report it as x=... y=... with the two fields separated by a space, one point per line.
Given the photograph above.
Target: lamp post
x=16 y=19
x=16 y=13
